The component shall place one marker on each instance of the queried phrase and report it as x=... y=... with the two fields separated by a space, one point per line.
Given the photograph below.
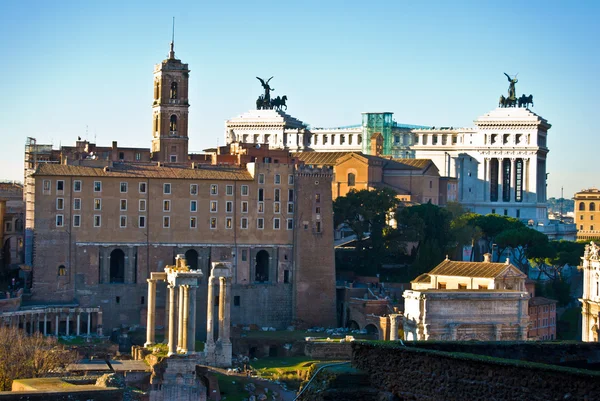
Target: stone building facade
x=587 y=214
x=467 y=301
x=590 y=300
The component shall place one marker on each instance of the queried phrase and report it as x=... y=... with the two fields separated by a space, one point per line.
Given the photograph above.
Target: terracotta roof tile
x=470 y=269
x=321 y=158
x=414 y=163
x=145 y=171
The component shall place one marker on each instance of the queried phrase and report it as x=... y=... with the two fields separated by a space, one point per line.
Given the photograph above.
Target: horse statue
x=259 y=102
x=525 y=101
x=501 y=101
x=508 y=102
x=279 y=102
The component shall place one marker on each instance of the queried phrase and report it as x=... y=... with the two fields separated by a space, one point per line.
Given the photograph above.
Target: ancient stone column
x=78 y=322
x=99 y=323
x=227 y=315
x=171 y=320
x=192 y=322
x=185 y=307
x=180 y=318
x=68 y=317
x=222 y=293
x=45 y=324
x=56 y=325
x=210 y=330
x=89 y=323
x=394 y=327
x=150 y=320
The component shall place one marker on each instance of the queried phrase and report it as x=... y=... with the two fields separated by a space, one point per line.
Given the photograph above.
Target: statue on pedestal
x=265 y=100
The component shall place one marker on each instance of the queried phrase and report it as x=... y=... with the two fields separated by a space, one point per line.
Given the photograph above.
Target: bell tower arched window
x=173 y=93
x=173 y=123
x=156 y=90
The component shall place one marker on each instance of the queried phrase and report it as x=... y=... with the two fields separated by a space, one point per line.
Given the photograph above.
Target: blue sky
x=71 y=64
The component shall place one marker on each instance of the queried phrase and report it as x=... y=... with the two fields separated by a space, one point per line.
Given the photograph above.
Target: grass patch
x=232 y=387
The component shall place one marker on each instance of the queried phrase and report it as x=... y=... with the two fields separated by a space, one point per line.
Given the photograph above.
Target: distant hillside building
x=587 y=214
x=467 y=301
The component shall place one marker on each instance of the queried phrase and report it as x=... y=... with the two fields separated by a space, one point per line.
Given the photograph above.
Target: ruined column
x=56 y=324
x=89 y=323
x=222 y=293
x=99 y=323
x=68 y=316
x=78 y=323
x=180 y=318
x=210 y=330
x=192 y=322
x=394 y=327
x=150 y=320
x=171 y=320
x=227 y=315
x=185 y=307
x=45 y=324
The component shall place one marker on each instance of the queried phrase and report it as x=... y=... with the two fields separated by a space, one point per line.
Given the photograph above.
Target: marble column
x=171 y=320
x=210 y=329
x=99 y=323
x=150 y=320
x=56 y=324
x=185 y=307
x=394 y=327
x=513 y=180
x=89 y=323
x=68 y=317
x=78 y=323
x=192 y=322
x=222 y=293
x=45 y=324
x=227 y=315
x=180 y=318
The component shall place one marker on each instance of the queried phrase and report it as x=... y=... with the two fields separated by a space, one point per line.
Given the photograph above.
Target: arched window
x=156 y=90
x=62 y=270
x=351 y=179
x=173 y=123
x=592 y=207
x=156 y=124
x=581 y=206
x=191 y=257
x=262 y=266
x=117 y=266
x=173 y=93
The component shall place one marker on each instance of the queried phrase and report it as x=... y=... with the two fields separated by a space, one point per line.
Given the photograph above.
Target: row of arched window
x=591 y=209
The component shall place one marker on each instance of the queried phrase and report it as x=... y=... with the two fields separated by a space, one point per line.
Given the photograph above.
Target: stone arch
x=117 y=266
x=173 y=123
x=353 y=325
x=372 y=329
x=262 y=266
x=191 y=257
x=173 y=92
x=62 y=270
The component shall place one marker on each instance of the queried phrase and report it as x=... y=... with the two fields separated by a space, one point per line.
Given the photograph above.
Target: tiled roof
x=144 y=171
x=405 y=164
x=470 y=269
x=321 y=158
x=423 y=278
x=535 y=301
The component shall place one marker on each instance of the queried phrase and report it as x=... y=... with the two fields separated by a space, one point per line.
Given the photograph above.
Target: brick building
x=587 y=214
x=101 y=220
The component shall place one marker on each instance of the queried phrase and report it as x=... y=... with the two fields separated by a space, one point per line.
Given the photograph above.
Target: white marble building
x=590 y=300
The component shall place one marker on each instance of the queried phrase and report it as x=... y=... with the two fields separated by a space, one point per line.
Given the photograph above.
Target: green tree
x=555 y=256
x=523 y=243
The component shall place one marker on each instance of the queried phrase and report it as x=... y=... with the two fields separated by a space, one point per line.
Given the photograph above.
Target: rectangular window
x=213 y=206
x=236 y=300
x=244 y=255
x=60 y=185
x=276 y=224
x=77 y=204
x=193 y=206
x=260 y=223
x=76 y=186
x=213 y=223
x=97 y=220
x=441 y=286
x=142 y=206
x=317 y=198
x=290 y=208
x=97 y=186
x=60 y=203
x=244 y=207
x=286 y=276
x=214 y=189
x=123 y=187
x=290 y=224
x=291 y=179
x=462 y=286
x=193 y=189
x=276 y=207
x=166 y=205
x=229 y=223
x=192 y=222
x=229 y=207
x=244 y=190
x=123 y=205
x=166 y=189
x=290 y=195
x=318 y=210
x=229 y=190
x=244 y=223
x=277 y=192
x=59 y=220
x=97 y=204
x=261 y=178
x=46 y=187
x=76 y=220
x=261 y=207
x=142 y=221
x=166 y=221
x=277 y=179
x=142 y=187
x=318 y=227
x=123 y=221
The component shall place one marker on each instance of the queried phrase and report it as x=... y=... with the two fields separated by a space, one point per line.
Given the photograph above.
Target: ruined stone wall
x=419 y=374
x=326 y=350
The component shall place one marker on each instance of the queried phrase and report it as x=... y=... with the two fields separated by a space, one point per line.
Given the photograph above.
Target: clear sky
x=68 y=65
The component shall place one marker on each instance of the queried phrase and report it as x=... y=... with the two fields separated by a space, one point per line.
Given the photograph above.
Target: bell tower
x=170 y=110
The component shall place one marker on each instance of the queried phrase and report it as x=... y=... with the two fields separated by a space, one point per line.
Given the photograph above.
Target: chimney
x=487 y=257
